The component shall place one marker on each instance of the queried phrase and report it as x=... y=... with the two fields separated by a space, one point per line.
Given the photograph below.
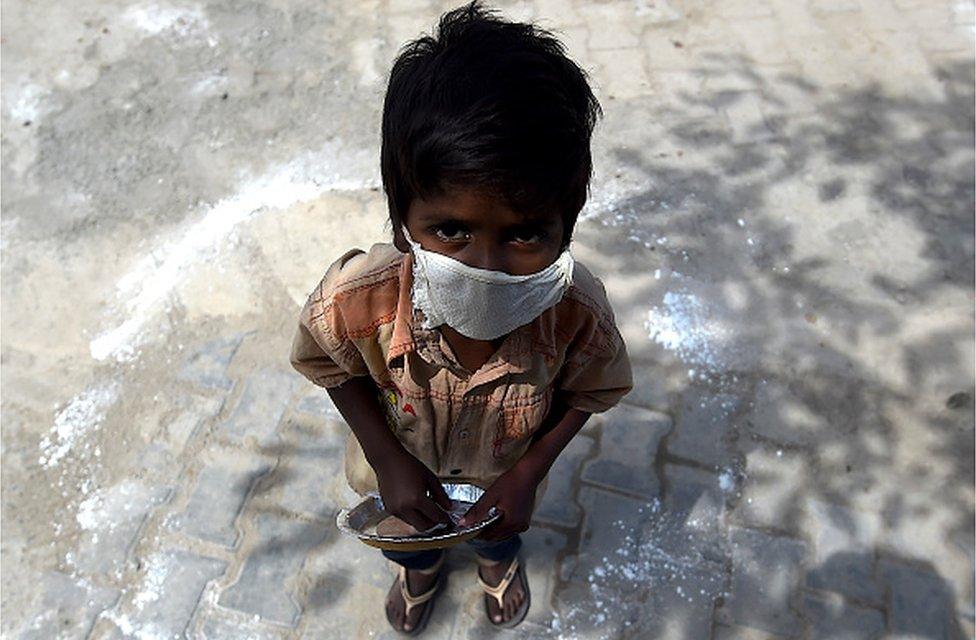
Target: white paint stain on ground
x=27 y=105
x=685 y=324
x=153 y=19
x=146 y=287
x=82 y=415
x=671 y=552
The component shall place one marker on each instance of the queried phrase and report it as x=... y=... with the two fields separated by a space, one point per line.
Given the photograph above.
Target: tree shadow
x=810 y=250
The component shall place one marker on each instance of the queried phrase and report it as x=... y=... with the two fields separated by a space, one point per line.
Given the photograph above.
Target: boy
x=473 y=348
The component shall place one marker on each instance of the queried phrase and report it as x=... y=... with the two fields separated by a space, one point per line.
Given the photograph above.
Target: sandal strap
x=411 y=600
x=498 y=591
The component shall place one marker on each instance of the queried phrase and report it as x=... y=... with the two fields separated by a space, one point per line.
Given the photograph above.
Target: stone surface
x=843 y=557
x=218 y=497
x=771 y=492
x=701 y=429
x=67 y=608
x=260 y=406
x=110 y=520
x=164 y=599
x=274 y=558
x=780 y=209
x=830 y=617
x=559 y=505
x=207 y=366
x=628 y=445
x=765 y=572
x=920 y=602
x=311 y=460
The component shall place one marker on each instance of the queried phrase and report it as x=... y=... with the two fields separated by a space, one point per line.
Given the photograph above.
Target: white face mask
x=481 y=303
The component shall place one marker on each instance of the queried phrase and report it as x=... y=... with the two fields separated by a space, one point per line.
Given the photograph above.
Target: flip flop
x=412 y=601
x=498 y=592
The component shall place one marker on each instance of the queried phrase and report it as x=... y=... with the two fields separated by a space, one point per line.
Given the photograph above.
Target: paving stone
x=834 y=5
x=739 y=9
x=611 y=26
x=311 y=459
x=318 y=403
x=266 y=584
x=608 y=579
x=733 y=632
x=771 y=492
x=832 y=619
x=692 y=514
x=702 y=427
x=194 y=411
x=66 y=608
x=843 y=551
x=765 y=573
x=162 y=603
x=110 y=520
x=349 y=582
x=628 y=447
x=207 y=366
x=920 y=602
x=781 y=416
x=744 y=114
x=643 y=570
x=633 y=81
x=221 y=489
x=259 y=409
x=682 y=557
x=761 y=39
x=214 y=626
x=558 y=505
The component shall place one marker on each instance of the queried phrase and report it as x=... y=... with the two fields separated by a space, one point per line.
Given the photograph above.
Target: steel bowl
x=360 y=522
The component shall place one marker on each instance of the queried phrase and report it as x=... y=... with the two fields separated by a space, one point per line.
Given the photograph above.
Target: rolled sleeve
x=321 y=351
x=600 y=381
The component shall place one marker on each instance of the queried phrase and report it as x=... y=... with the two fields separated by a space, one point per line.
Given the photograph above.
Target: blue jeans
x=493 y=551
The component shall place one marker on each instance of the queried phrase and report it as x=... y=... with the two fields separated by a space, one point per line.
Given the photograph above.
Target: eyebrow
x=444 y=216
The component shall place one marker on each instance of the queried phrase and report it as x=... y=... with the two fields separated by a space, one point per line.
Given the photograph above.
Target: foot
x=492 y=574
x=418 y=582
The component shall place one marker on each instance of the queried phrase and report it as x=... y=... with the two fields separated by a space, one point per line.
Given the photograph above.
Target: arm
x=404 y=481
x=356 y=401
x=561 y=425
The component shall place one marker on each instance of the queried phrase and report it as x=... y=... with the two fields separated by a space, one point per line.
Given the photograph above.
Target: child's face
x=480 y=231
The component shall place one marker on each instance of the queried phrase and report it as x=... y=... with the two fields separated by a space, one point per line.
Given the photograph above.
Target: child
x=472 y=348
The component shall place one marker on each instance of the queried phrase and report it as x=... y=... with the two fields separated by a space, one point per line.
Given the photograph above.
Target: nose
x=483 y=255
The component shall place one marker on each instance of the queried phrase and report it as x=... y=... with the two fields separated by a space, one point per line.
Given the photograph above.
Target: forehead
x=475 y=207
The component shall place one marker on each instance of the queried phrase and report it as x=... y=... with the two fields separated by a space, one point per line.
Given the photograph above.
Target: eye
x=450 y=232
x=529 y=236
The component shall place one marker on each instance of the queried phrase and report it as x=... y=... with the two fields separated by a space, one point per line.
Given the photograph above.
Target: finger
x=478 y=510
x=432 y=512
x=439 y=495
x=416 y=519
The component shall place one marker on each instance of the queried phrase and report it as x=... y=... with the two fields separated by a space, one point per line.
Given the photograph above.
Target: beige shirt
x=465 y=426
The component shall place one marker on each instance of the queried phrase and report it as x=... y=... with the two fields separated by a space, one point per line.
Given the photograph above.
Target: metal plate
x=360 y=522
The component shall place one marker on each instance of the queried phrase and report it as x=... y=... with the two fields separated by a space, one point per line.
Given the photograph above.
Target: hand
x=404 y=483
x=512 y=493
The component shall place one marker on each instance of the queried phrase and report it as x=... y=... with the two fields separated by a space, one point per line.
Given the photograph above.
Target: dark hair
x=490 y=105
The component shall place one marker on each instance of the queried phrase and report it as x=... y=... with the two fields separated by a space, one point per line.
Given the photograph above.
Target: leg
x=495 y=560
x=414 y=560
x=497 y=551
x=418 y=574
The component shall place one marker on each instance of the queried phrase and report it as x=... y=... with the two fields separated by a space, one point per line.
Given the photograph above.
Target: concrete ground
x=782 y=212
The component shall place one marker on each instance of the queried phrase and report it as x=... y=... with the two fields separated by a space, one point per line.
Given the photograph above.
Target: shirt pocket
x=518 y=420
